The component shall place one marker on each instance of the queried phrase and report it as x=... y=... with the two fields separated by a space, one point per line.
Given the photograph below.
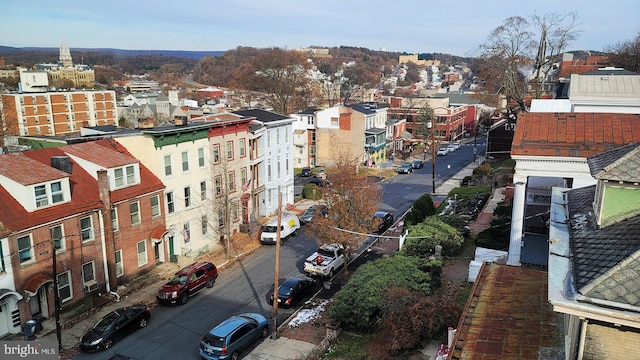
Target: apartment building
x=76 y=220
x=57 y=113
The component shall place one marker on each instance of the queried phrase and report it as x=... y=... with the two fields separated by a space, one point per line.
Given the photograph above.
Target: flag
x=246 y=186
x=185 y=235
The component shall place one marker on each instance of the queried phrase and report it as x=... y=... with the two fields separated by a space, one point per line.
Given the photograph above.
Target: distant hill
x=197 y=55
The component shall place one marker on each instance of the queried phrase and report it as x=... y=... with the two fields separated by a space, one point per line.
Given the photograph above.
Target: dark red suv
x=186 y=282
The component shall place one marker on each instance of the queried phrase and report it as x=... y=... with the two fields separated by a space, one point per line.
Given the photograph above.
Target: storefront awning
x=34 y=283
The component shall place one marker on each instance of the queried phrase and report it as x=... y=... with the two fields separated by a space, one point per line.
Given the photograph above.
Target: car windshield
x=270 y=228
x=309 y=212
x=105 y=322
x=178 y=279
x=212 y=340
x=284 y=290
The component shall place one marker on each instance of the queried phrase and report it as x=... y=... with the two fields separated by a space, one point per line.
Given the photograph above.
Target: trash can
x=30 y=328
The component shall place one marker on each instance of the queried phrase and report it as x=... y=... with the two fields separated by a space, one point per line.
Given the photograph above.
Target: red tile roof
x=573 y=134
x=26 y=171
x=507 y=316
x=89 y=152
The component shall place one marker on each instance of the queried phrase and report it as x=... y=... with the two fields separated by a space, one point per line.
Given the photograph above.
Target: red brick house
x=66 y=197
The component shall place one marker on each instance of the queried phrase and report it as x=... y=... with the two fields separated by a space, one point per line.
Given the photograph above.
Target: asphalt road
x=174 y=332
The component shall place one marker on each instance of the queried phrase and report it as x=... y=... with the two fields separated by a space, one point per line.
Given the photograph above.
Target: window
x=278 y=136
x=186 y=232
x=268 y=172
x=155 y=206
x=201 y=162
x=286 y=164
x=88 y=272
x=131 y=175
x=334 y=122
x=64 y=286
x=171 y=207
x=232 y=182
x=220 y=218
x=134 y=212
x=185 y=161
x=268 y=138
x=243 y=150
x=86 y=228
x=119 y=264
x=56 y=192
x=312 y=149
x=41 y=196
x=57 y=236
x=187 y=196
x=204 y=223
x=203 y=190
x=25 y=249
x=2 y=266
x=119 y=177
x=229 y=150
x=243 y=176
x=142 y=253
x=218 y=185
x=216 y=154
x=234 y=211
x=167 y=165
x=278 y=167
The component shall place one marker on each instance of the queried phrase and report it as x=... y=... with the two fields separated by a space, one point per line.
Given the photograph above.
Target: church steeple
x=65 y=56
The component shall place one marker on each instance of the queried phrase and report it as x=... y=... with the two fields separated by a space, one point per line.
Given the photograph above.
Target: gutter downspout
x=105 y=198
x=583 y=335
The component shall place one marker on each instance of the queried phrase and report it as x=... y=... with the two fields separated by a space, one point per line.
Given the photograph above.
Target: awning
x=34 y=283
x=158 y=233
x=8 y=292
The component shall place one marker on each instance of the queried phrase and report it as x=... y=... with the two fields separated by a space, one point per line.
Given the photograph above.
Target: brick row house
x=95 y=204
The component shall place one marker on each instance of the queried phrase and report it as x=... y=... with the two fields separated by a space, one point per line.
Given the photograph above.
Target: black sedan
x=292 y=290
x=417 y=164
x=114 y=326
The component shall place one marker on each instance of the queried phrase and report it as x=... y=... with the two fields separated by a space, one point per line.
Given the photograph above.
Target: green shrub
x=359 y=304
x=422 y=238
x=422 y=208
x=482 y=169
x=308 y=192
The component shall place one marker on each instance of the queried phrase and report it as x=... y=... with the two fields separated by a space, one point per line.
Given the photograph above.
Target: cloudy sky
x=412 y=26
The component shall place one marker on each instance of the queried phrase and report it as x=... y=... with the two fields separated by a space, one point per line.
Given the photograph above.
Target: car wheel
x=295 y=233
x=184 y=298
x=234 y=356
x=264 y=332
x=210 y=282
x=107 y=344
x=330 y=273
x=142 y=323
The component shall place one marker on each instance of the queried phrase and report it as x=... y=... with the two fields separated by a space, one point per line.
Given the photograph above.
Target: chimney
x=62 y=163
x=103 y=190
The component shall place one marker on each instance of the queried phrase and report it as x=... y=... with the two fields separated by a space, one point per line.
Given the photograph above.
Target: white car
x=442 y=151
x=451 y=148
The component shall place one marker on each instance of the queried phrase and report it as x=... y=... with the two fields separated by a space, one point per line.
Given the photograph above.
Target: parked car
x=442 y=151
x=405 y=168
x=187 y=282
x=114 y=326
x=305 y=172
x=313 y=211
x=322 y=173
x=318 y=181
x=417 y=164
x=382 y=221
x=293 y=290
x=457 y=145
x=233 y=336
x=451 y=148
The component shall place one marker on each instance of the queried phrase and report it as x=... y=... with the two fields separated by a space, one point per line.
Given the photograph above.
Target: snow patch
x=306 y=315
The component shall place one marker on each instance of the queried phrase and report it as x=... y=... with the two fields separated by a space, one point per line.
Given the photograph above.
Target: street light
x=433 y=156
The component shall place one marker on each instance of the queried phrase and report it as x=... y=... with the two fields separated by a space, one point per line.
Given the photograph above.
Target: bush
x=423 y=238
x=422 y=208
x=410 y=317
x=359 y=304
x=482 y=169
x=308 y=192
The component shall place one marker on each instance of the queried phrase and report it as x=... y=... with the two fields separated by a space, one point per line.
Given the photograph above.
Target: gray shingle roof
x=619 y=164
x=262 y=115
x=604 y=261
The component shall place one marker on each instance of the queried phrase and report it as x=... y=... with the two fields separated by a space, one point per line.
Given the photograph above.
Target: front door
x=171 y=248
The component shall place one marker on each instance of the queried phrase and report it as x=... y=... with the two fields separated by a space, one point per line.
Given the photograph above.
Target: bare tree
x=557 y=31
x=626 y=54
x=351 y=201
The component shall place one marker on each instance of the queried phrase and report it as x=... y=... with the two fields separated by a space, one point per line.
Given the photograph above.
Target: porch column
x=517 y=219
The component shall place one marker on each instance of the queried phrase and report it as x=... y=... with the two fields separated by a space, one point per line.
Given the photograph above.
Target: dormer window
x=125 y=176
x=48 y=193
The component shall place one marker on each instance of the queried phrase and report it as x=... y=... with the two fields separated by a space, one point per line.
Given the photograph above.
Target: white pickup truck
x=326 y=261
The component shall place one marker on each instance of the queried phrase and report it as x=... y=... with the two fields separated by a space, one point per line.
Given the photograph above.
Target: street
x=174 y=332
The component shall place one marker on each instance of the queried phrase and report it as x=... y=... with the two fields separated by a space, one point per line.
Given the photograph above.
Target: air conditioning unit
x=90 y=286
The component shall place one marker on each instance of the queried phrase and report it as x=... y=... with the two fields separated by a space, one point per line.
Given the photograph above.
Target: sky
x=412 y=26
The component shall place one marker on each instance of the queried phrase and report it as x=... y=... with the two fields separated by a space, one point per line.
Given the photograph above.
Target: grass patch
x=470 y=191
x=507 y=163
x=349 y=347
x=463 y=294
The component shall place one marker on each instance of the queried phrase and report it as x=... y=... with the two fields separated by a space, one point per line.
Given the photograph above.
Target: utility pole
x=431 y=126
x=276 y=285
